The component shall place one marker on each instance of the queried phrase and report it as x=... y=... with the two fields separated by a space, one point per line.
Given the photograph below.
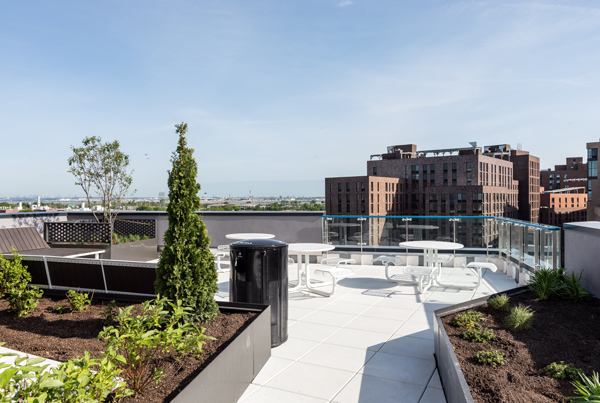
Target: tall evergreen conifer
x=186 y=270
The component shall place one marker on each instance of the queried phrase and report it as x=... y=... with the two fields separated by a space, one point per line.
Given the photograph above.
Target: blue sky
x=279 y=94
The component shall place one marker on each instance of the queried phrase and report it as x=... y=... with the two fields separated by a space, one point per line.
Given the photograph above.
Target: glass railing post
x=555 y=249
x=361 y=242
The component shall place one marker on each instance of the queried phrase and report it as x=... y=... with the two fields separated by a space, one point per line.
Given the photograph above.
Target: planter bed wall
x=452 y=378
x=97 y=275
x=227 y=377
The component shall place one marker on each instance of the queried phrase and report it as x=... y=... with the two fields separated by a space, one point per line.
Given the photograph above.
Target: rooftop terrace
x=372 y=341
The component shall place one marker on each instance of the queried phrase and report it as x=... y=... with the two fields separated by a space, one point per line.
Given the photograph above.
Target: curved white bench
x=477 y=267
x=337 y=272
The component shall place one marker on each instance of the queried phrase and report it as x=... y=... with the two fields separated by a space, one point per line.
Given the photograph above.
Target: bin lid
x=258 y=244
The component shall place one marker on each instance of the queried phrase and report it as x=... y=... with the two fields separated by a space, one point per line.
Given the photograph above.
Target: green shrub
x=467 y=319
x=519 y=318
x=573 y=290
x=478 y=334
x=110 y=313
x=588 y=389
x=493 y=358
x=500 y=302
x=140 y=338
x=186 y=269
x=560 y=370
x=24 y=301
x=13 y=275
x=78 y=301
x=547 y=283
x=72 y=382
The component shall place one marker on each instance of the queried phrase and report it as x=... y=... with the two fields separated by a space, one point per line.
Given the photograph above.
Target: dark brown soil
x=48 y=334
x=562 y=331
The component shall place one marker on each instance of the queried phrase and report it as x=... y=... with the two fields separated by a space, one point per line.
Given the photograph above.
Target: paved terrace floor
x=372 y=341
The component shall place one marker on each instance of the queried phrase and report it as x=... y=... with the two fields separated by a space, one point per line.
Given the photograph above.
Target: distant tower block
x=250 y=196
x=161 y=195
x=39 y=202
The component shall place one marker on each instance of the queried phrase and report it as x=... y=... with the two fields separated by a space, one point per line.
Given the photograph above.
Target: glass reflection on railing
x=530 y=245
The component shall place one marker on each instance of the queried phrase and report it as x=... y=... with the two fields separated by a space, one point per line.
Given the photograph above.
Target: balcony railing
x=531 y=246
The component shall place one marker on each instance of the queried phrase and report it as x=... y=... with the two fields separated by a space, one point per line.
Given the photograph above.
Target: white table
x=249 y=235
x=430 y=249
x=305 y=249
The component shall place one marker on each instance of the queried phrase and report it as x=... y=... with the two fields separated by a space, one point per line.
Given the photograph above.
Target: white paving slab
x=311 y=380
x=358 y=339
x=339 y=357
x=400 y=368
x=433 y=395
x=366 y=388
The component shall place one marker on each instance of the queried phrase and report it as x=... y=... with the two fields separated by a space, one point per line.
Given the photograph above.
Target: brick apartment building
x=563 y=198
x=593 y=184
x=458 y=181
x=572 y=174
x=563 y=205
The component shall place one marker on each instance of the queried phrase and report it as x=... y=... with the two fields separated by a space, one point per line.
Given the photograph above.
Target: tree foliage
x=102 y=169
x=186 y=270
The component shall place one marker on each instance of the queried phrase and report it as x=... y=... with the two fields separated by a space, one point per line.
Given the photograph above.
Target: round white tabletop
x=249 y=235
x=439 y=245
x=309 y=247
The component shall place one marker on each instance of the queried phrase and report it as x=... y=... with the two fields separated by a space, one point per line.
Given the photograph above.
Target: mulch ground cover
x=562 y=330
x=47 y=333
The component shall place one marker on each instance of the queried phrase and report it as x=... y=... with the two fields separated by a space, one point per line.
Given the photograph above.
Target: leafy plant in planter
x=14 y=278
x=478 y=334
x=78 y=301
x=117 y=239
x=588 y=389
x=547 y=283
x=573 y=289
x=467 y=319
x=560 y=370
x=520 y=318
x=500 y=302
x=27 y=380
x=139 y=339
x=186 y=270
x=493 y=358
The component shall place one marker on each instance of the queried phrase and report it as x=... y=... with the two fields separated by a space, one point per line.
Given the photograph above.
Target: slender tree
x=186 y=270
x=102 y=169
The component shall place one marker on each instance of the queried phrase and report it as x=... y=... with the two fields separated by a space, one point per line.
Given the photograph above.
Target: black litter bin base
x=259 y=274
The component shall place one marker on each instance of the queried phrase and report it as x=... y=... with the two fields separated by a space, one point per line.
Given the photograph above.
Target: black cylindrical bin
x=259 y=274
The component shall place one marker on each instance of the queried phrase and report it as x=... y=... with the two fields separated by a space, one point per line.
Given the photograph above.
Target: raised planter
x=227 y=377
x=453 y=381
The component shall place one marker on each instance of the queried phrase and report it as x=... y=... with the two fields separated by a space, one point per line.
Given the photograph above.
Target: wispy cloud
x=345 y=3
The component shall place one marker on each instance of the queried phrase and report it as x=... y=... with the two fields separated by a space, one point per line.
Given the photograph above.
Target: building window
x=362 y=186
x=593 y=169
x=347 y=186
x=374 y=170
x=339 y=186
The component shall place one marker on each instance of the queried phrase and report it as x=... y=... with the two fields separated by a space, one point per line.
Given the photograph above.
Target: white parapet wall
x=582 y=243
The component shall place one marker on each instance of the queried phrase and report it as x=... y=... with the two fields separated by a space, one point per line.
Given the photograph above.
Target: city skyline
x=280 y=95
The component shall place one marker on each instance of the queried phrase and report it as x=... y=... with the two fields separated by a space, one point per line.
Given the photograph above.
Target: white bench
x=478 y=267
x=337 y=261
x=218 y=256
x=337 y=272
x=422 y=276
